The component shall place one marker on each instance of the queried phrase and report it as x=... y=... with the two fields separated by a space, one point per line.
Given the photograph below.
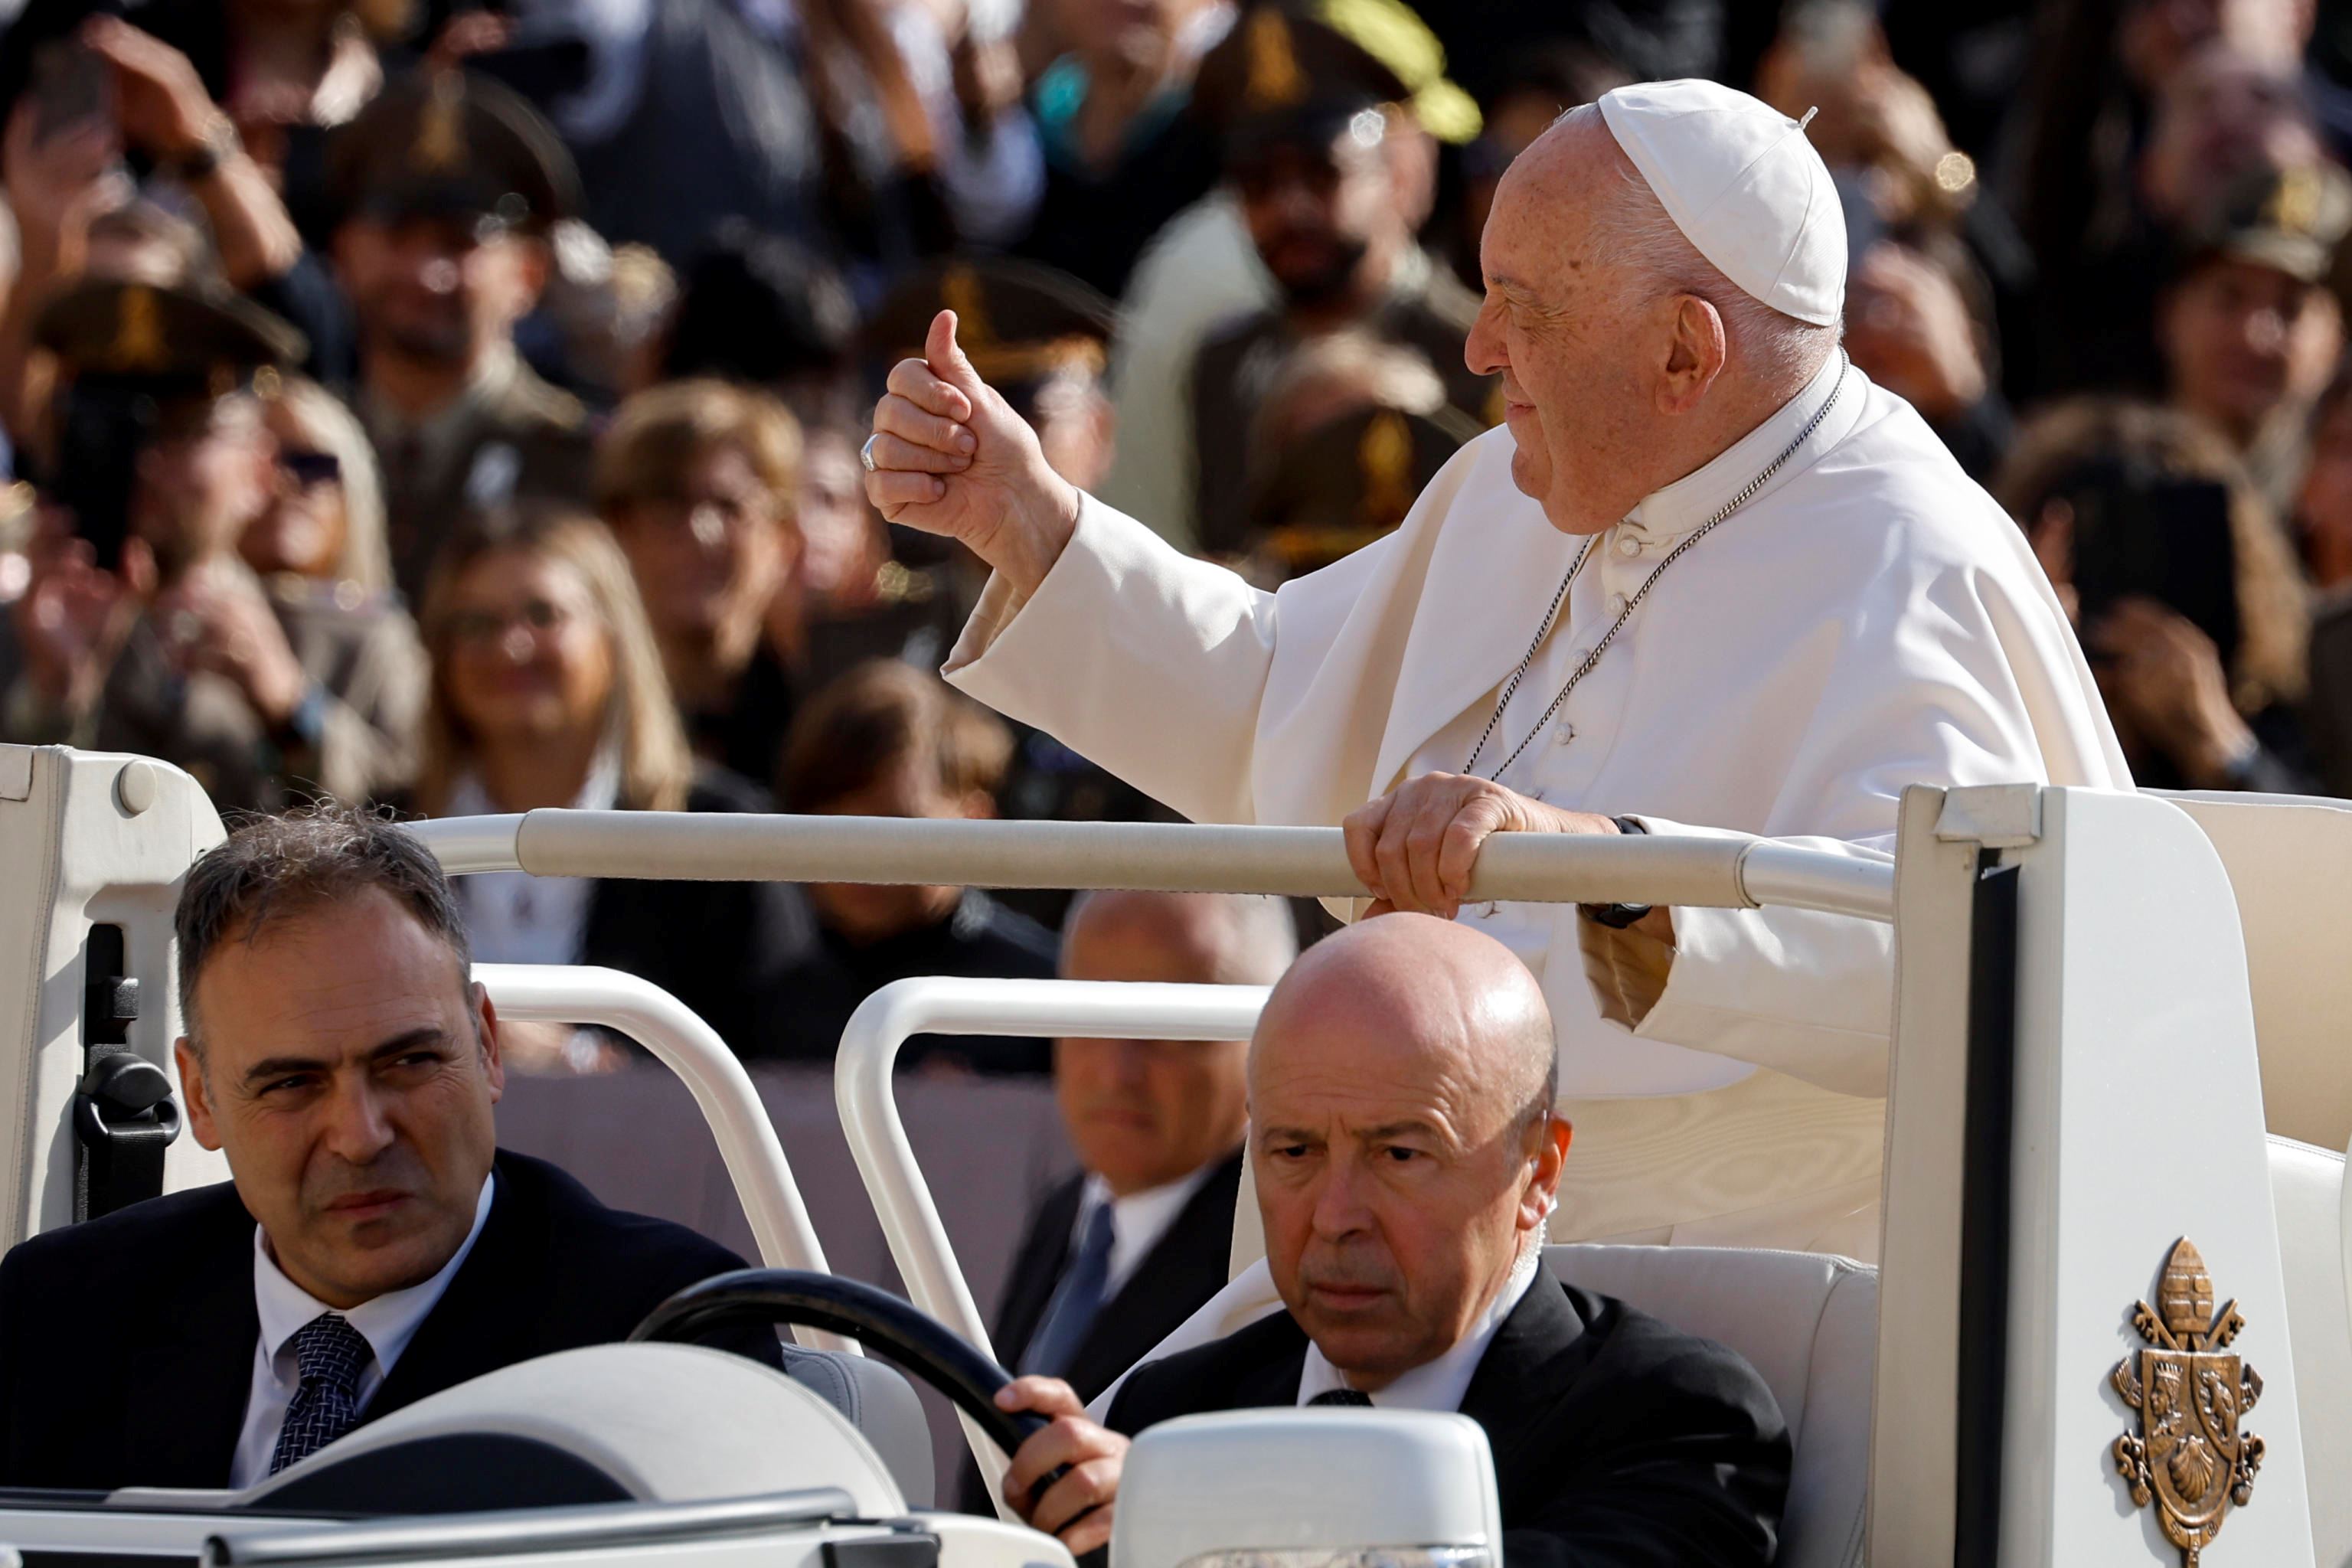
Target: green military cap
x=1018 y=323
x=439 y=143
x=1301 y=68
x=2291 y=219
x=181 y=340
x=1346 y=483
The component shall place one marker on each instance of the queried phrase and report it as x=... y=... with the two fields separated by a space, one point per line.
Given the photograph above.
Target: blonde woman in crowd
x=548 y=690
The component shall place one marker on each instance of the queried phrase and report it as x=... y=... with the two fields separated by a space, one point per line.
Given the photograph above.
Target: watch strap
x=1617 y=917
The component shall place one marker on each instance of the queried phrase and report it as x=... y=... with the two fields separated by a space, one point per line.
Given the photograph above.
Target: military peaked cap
x=442 y=143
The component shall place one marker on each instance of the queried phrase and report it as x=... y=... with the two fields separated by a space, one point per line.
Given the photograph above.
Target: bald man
x=1119 y=1255
x=1408 y=1158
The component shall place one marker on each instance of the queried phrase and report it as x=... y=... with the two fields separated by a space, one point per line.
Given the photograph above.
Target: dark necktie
x=1341 y=1396
x=331 y=1355
x=1076 y=1301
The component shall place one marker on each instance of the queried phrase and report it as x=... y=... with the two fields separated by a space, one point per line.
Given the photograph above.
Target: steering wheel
x=919 y=1342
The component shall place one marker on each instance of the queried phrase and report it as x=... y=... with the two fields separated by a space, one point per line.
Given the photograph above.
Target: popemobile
x=2111 y=1324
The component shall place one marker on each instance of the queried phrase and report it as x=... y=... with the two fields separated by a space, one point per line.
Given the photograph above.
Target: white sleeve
x=1142 y=660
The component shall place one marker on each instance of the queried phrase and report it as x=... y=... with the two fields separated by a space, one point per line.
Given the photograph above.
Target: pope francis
x=1707 y=579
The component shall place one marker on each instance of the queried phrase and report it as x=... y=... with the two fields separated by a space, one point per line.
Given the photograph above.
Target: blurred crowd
x=457 y=407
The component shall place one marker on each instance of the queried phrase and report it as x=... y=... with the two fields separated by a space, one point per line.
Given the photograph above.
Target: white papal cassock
x=1869 y=620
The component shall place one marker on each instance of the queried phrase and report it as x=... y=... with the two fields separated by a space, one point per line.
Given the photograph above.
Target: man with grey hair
x=1708 y=580
x=373 y=1245
x=1408 y=1157
x=1119 y=1255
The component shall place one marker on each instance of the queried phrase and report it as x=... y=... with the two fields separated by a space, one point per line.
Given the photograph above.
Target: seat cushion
x=656 y=1422
x=1807 y=1323
x=881 y=1405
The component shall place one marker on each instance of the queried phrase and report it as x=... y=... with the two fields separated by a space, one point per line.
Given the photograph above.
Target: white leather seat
x=1807 y=1323
x=2309 y=1192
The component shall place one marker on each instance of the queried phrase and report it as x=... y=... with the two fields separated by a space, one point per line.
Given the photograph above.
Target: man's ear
x=533 y=260
x=486 y=1028
x=1542 y=1194
x=1697 y=349
x=1410 y=154
x=195 y=1094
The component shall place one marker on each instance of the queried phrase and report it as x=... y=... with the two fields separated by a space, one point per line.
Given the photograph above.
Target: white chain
x=1584 y=668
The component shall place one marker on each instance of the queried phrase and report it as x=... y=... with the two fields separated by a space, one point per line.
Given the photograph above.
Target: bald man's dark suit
x=1619 y=1441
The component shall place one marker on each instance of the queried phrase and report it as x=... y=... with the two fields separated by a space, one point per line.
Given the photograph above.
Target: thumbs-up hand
x=950 y=457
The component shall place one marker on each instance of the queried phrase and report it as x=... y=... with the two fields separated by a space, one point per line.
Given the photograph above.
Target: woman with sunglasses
x=548 y=690
x=323 y=526
x=268 y=686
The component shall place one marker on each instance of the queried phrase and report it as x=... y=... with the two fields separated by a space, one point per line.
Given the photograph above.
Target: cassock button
x=1562 y=734
x=1628 y=545
x=1616 y=603
x=1576 y=660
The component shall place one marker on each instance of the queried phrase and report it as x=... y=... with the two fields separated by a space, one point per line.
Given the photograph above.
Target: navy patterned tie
x=331 y=1355
x=1072 y=1311
x=1340 y=1396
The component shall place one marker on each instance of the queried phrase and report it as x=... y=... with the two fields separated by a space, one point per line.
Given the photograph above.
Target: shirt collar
x=1439 y=1385
x=492 y=376
x=387 y=1321
x=1139 y=1220
x=600 y=790
x=1701 y=493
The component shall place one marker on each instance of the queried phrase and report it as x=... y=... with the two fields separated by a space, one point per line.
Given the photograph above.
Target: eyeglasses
x=307 y=468
x=482 y=628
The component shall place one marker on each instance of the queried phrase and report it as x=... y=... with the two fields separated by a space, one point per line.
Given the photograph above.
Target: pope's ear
x=1697 y=349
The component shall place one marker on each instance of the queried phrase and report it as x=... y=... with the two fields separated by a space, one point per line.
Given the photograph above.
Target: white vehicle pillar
x=93 y=847
x=2074 y=1091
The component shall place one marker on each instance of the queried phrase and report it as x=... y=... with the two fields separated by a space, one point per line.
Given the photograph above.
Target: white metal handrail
x=681 y=1041
x=1680 y=869
x=877 y=1137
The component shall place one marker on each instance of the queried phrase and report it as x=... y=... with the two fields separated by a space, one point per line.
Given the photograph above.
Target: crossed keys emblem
x=2189 y=1454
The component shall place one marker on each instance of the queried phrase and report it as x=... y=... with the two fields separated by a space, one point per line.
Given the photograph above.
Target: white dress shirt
x=1138 y=1221
x=388 y=1322
x=1436 y=1386
x=513 y=916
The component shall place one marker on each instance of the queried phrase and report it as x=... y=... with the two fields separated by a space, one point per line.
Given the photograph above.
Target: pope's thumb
x=946 y=356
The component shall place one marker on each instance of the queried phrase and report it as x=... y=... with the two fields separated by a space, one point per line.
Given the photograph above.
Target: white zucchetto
x=1743 y=183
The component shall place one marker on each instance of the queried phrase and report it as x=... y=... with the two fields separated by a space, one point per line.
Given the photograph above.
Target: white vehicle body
x=2082 y=1051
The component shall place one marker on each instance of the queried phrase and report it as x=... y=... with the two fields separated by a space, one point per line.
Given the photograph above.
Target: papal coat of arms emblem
x=2189 y=1456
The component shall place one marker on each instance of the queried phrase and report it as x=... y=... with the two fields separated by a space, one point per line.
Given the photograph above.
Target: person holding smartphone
x=2183 y=585
x=156 y=637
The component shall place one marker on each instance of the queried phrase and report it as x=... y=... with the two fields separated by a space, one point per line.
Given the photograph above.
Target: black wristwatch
x=201 y=163
x=1617 y=917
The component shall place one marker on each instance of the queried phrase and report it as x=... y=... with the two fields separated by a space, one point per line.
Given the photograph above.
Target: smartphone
x=70 y=86
x=2143 y=533
x=100 y=428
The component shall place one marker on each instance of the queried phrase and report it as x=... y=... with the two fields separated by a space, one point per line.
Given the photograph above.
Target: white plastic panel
x=85 y=839
x=2138 y=1120
x=1288 y=1480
